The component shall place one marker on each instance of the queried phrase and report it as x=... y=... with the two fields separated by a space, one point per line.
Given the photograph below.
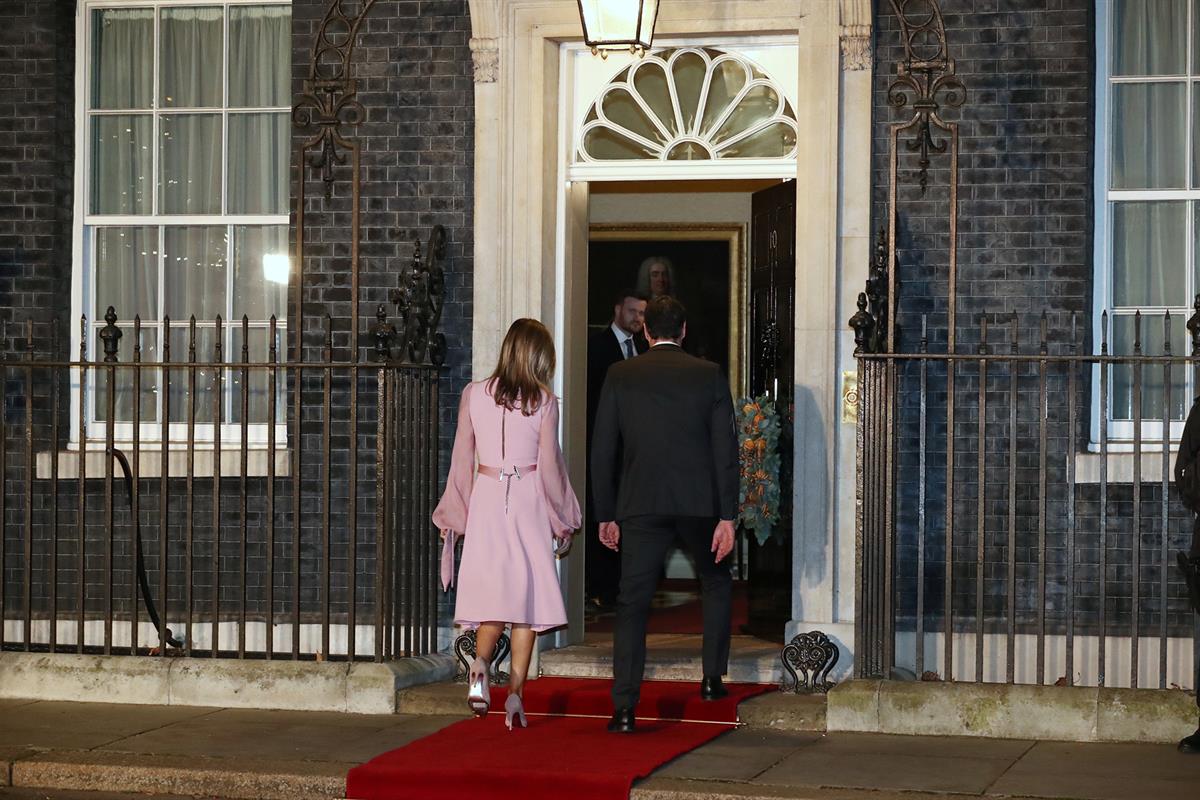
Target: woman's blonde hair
x=525 y=368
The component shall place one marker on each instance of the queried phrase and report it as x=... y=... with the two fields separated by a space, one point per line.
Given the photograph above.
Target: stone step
x=669 y=657
x=781 y=711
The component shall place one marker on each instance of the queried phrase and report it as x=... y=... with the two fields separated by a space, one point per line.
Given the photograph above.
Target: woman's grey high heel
x=479 y=696
x=514 y=710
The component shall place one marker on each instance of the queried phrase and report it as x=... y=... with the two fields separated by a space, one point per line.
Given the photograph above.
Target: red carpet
x=557 y=756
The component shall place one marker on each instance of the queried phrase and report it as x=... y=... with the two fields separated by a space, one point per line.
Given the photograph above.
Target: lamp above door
x=618 y=24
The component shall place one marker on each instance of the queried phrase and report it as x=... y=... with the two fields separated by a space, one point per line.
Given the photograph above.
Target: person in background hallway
x=510 y=514
x=621 y=340
x=1187 y=482
x=676 y=477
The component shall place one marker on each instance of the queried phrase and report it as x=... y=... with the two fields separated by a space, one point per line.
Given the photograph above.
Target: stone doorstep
x=359 y=687
x=780 y=711
x=1003 y=711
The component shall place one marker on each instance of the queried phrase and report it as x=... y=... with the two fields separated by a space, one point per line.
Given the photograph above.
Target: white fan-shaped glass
x=689 y=104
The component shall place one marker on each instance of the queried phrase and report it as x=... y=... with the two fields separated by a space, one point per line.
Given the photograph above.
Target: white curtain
x=258 y=163
x=1149 y=254
x=260 y=56
x=122 y=58
x=191 y=54
x=1150 y=37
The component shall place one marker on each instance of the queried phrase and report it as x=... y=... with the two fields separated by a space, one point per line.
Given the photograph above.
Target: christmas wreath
x=758 y=438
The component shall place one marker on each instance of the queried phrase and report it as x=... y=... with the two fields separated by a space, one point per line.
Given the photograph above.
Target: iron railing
x=1005 y=533
x=264 y=508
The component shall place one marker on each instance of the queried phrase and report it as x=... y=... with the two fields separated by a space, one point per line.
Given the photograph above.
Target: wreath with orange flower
x=758 y=437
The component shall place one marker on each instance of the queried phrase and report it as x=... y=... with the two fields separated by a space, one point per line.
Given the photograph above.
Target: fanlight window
x=689 y=104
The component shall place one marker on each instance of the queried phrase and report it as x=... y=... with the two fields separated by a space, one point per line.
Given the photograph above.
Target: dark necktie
x=629 y=348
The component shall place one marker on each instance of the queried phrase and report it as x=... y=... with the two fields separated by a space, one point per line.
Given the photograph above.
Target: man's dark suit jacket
x=603 y=351
x=668 y=418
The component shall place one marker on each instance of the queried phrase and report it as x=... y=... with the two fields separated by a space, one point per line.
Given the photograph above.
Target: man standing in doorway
x=665 y=465
x=622 y=339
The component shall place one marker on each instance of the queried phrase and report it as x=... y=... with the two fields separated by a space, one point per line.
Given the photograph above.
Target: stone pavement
x=53 y=750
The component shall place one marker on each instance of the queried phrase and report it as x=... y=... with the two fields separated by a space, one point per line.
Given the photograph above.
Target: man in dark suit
x=1187 y=483
x=667 y=417
x=621 y=340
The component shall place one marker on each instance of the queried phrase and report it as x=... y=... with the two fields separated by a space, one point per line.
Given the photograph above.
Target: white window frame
x=1121 y=432
x=84 y=225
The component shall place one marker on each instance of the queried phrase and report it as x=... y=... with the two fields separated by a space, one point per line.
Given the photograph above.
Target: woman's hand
x=562 y=543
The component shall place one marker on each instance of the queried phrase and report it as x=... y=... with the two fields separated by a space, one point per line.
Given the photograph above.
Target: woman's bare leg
x=486 y=638
x=523 y=638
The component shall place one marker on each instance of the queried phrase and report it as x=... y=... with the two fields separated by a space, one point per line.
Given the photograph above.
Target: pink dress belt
x=504 y=476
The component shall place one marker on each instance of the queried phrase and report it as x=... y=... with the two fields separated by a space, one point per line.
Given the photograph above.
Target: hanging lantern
x=618 y=24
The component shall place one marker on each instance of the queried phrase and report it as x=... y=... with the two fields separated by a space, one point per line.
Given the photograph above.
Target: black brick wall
x=413 y=67
x=37 y=116
x=1025 y=242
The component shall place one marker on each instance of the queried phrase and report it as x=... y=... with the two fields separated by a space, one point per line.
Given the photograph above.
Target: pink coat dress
x=508 y=571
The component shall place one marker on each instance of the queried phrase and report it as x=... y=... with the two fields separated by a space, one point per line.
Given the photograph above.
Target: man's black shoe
x=1190 y=567
x=1190 y=744
x=711 y=689
x=622 y=721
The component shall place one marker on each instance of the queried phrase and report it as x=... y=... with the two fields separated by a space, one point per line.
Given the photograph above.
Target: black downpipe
x=141 y=563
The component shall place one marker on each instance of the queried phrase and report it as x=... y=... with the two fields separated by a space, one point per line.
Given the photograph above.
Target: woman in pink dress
x=511 y=510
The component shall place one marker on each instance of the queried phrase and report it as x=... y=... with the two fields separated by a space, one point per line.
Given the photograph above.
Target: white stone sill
x=1120 y=465
x=150 y=462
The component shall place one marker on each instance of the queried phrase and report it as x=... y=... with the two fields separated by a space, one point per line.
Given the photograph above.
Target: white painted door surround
x=521 y=235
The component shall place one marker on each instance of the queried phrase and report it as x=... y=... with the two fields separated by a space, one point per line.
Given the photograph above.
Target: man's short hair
x=665 y=317
x=619 y=298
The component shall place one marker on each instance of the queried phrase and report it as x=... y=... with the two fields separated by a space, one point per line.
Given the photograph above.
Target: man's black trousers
x=645 y=542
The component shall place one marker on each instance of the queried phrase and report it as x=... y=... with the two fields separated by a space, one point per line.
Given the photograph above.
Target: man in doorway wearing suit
x=667 y=418
x=622 y=339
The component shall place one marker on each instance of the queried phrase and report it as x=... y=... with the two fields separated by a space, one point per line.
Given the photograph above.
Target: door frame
x=526 y=214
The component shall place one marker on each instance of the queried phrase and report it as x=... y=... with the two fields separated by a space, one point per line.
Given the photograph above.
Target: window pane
x=124 y=378
x=727 y=80
x=194 y=274
x=1149 y=262
x=605 y=143
x=651 y=83
x=775 y=141
x=1152 y=374
x=191 y=55
x=190 y=164
x=181 y=396
x=258 y=158
x=260 y=56
x=1149 y=124
x=689 y=71
x=620 y=107
x=121 y=164
x=259 y=381
x=1149 y=37
x=759 y=104
x=122 y=58
x=127 y=272
x=260 y=277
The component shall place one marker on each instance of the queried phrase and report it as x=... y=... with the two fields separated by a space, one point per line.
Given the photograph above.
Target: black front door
x=772 y=373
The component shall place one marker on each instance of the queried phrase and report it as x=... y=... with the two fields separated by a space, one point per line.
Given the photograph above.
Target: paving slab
x=82 y=726
x=683 y=789
x=182 y=775
x=298 y=735
x=737 y=756
x=859 y=762
x=1103 y=772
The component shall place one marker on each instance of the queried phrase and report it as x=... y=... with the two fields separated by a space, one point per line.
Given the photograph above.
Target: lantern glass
x=618 y=24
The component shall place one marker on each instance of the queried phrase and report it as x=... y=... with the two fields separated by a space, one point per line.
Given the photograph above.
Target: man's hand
x=722 y=543
x=610 y=535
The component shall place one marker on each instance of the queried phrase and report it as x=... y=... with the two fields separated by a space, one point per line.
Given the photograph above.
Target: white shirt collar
x=622 y=337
